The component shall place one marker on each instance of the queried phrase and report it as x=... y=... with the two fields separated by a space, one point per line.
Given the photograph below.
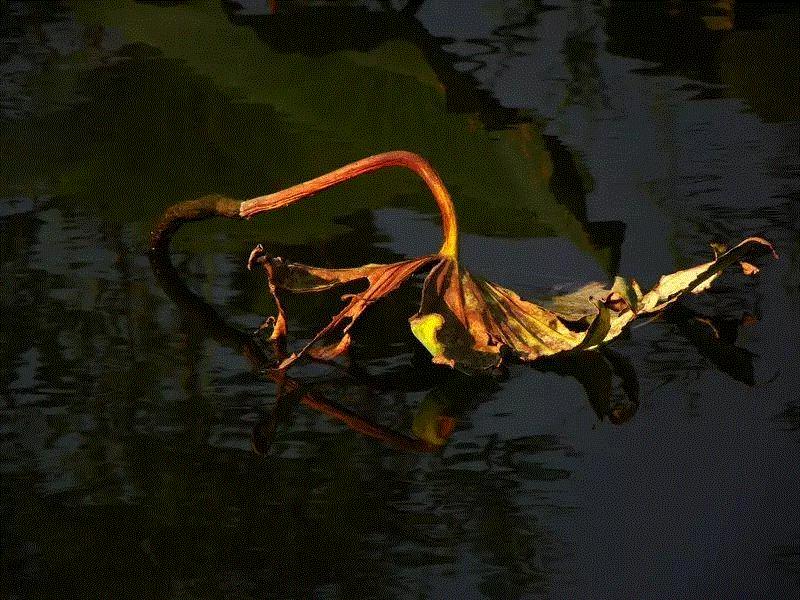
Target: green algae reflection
x=198 y=104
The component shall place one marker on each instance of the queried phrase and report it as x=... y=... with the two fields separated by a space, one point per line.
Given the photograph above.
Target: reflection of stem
x=408 y=160
x=210 y=322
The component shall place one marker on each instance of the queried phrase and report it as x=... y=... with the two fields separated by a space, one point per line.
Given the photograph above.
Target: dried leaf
x=700 y=278
x=694 y=280
x=628 y=291
x=463 y=320
x=578 y=305
x=599 y=327
x=467 y=322
x=748 y=269
x=581 y=304
x=278 y=323
x=381 y=279
x=471 y=323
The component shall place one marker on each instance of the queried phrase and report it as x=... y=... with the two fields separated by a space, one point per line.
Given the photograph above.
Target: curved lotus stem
x=210 y=206
x=400 y=158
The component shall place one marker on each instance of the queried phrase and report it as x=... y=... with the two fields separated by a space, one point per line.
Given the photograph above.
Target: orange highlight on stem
x=400 y=158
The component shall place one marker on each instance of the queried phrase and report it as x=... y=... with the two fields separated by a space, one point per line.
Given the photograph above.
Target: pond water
x=142 y=451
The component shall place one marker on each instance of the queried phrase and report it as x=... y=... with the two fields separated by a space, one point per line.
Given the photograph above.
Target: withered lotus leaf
x=469 y=322
x=463 y=320
x=293 y=277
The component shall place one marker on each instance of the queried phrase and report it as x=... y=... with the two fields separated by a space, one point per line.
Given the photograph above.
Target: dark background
x=579 y=139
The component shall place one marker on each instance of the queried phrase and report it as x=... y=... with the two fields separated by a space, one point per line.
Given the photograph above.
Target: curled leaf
x=381 y=281
x=471 y=323
x=625 y=293
x=466 y=321
x=700 y=278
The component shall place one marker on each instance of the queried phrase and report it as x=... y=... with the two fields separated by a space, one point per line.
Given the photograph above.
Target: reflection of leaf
x=328 y=110
x=598 y=372
x=431 y=421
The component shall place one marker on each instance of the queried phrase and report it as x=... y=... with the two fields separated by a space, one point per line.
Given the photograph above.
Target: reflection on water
x=435 y=418
x=579 y=140
x=718 y=43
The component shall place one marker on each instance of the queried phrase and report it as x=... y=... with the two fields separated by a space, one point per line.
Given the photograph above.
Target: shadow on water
x=221 y=144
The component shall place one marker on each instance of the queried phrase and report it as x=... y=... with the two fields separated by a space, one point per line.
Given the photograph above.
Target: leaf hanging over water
x=463 y=321
x=472 y=323
x=467 y=321
x=381 y=280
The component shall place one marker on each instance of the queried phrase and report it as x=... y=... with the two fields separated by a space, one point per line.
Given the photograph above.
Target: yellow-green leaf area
x=425 y=328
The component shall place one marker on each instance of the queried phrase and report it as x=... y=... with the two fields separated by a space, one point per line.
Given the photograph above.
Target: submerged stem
x=191 y=210
x=401 y=158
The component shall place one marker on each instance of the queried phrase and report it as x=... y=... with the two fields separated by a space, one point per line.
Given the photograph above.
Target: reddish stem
x=400 y=158
x=211 y=206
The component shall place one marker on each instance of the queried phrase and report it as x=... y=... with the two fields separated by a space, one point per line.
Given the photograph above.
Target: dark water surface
x=579 y=139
